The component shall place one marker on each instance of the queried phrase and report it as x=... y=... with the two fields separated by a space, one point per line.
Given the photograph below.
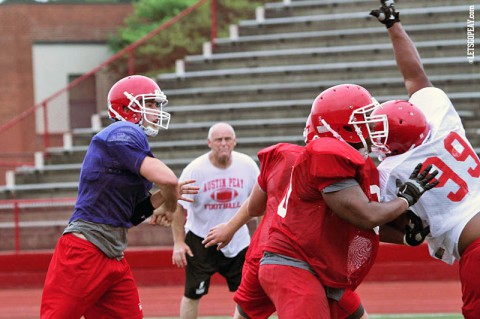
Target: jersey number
x=282 y=207
x=461 y=151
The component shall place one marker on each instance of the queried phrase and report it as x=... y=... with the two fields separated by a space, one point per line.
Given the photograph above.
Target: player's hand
x=417 y=184
x=386 y=14
x=161 y=216
x=219 y=235
x=186 y=188
x=415 y=233
x=180 y=251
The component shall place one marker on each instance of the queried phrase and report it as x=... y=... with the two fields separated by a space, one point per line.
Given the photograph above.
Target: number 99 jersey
x=455 y=200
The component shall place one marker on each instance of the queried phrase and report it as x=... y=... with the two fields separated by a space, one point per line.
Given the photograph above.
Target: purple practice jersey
x=110 y=182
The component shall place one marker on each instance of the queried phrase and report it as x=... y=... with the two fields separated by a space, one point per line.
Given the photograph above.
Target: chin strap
x=338 y=137
x=364 y=143
x=329 y=129
x=149 y=131
x=380 y=156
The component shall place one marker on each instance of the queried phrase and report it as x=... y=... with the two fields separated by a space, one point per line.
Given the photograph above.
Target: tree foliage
x=63 y=1
x=182 y=38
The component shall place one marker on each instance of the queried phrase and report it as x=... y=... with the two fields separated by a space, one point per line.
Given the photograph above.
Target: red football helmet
x=126 y=102
x=343 y=111
x=407 y=127
x=309 y=132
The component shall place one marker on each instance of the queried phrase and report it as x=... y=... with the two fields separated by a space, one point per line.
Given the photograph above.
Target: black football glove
x=386 y=14
x=415 y=233
x=417 y=184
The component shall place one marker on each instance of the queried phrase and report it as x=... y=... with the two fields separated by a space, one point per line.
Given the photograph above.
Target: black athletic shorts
x=206 y=262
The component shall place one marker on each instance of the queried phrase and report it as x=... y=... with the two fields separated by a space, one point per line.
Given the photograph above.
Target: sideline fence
x=10 y=216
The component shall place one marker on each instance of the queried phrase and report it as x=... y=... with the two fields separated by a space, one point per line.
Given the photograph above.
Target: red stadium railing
x=129 y=50
x=11 y=209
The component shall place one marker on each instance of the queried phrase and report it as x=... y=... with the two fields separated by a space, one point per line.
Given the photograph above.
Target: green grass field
x=397 y=316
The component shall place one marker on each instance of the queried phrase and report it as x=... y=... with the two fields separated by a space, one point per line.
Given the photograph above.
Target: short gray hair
x=217 y=125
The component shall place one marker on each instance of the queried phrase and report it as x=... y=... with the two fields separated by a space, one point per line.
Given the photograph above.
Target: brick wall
x=24 y=24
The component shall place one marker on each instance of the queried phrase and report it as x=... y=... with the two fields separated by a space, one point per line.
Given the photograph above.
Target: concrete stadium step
x=293 y=126
x=281 y=9
x=269 y=116
x=281 y=109
x=153 y=266
x=315 y=55
x=192 y=129
x=28 y=211
x=339 y=71
x=473 y=124
x=55 y=173
x=39 y=191
x=44 y=234
x=338 y=37
x=47 y=181
x=191 y=146
x=305 y=90
x=356 y=19
x=60 y=173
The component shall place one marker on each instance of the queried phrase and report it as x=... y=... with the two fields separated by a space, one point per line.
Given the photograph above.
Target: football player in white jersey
x=427 y=126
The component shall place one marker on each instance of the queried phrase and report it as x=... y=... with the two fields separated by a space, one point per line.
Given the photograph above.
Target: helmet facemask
x=309 y=132
x=363 y=117
x=137 y=105
x=407 y=128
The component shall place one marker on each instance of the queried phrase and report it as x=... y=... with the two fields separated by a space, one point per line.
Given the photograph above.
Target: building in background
x=44 y=46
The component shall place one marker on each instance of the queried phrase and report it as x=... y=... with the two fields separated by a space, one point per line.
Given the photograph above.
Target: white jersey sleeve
x=222 y=192
x=456 y=199
x=438 y=110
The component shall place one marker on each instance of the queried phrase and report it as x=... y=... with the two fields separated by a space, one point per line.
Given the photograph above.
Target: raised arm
x=408 y=60
x=406 y=54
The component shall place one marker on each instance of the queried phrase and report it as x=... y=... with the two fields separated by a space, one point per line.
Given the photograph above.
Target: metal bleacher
x=263 y=78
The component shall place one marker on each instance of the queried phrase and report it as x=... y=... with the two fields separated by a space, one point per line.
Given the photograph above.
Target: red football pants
x=82 y=280
x=470 y=279
x=296 y=292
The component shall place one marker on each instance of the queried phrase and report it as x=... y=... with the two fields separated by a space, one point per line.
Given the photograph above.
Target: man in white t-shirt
x=428 y=129
x=226 y=178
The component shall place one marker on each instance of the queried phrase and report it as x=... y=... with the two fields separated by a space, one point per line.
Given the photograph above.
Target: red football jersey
x=276 y=163
x=305 y=228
